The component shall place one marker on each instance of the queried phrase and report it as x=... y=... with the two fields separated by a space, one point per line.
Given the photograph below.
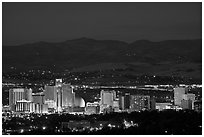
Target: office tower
x=186 y=104
x=107 y=98
x=18 y=94
x=51 y=96
x=127 y=101
x=68 y=96
x=178 y=95
x=50 y=93
x=106 y=103
x=139 y=102
x=121 y=102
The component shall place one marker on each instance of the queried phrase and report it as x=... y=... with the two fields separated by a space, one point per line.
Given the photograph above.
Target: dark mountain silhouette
x=82 y=52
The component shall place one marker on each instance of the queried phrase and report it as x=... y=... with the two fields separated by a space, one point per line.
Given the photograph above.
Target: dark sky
x=55 y=22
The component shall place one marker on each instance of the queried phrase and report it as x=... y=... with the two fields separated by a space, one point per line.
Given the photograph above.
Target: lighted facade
x=178 y=95
x=191 y=97
x=18 y=94
x=186 y=104
x=139 y=102
x=68 y=96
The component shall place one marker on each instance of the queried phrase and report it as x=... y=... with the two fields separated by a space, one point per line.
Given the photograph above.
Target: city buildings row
x=61 y=98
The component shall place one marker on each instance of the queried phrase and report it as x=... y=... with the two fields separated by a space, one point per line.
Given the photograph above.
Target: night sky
x=56 y=22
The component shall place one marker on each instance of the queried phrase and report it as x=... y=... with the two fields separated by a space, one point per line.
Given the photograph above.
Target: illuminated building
x=139 y=102
x=178 y=95
x=191 y=97
x=79 y=102
x=51 y=104
x=28 y=94
x=38 y=98
x=23 y=106
x=121 y=102
x=68 y=96
x=51 y=96
x=163 y=106
x=107 y=98
x=92 y=108
x=58 y=85
x=50 y=93
x=18 y=94
x=44 y=108
x=116 y=105
x=60 y=97
x=186 y=104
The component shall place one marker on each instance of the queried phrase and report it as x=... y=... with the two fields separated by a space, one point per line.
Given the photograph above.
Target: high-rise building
x=58 y=85
x=127 y=101
x=18 y=94
x=121 y=102
x=139 y=102
x=178 y=95
x=107 y=97
x=191 y=97
x=51 y=96
x=50 y=93
x=60 y=96
x=68 y=96
x=186 y=104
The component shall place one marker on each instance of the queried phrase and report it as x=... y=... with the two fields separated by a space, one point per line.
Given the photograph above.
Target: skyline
x=35 y=22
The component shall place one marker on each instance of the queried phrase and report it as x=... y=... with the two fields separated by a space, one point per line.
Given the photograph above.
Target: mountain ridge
x=83 y=52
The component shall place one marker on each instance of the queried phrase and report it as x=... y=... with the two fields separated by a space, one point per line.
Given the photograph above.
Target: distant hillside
x=79 y=53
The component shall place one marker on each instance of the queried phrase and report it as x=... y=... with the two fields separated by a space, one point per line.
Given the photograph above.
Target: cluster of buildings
x=57 y=98
x=182 y=100
x=62 y=98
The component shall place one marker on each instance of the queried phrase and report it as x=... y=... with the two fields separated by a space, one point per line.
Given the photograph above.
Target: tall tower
x=68 y=96
x=58 y=85
x=51 y=96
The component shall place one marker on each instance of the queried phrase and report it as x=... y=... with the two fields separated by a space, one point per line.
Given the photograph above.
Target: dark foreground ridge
x=137 y=123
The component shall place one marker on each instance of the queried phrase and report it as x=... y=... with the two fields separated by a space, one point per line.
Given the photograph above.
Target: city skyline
x=101 y=68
